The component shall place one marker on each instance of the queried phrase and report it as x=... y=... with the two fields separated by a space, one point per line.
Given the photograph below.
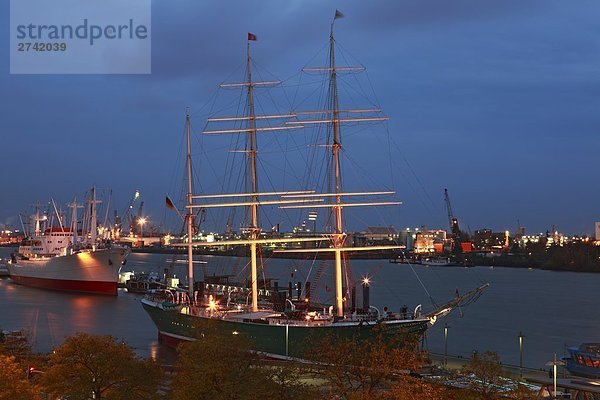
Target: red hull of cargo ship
x=105 y=288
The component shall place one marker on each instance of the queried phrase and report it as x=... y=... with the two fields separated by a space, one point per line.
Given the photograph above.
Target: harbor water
x=550 y=309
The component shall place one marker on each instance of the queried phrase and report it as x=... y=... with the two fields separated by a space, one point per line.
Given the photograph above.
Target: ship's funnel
x=365 y=287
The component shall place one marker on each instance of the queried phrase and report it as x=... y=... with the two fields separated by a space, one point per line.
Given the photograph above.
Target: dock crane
x=134 y=221
x=454 y=228
x=126 y=215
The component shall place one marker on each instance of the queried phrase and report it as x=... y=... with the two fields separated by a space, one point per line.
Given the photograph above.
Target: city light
x=142 y=222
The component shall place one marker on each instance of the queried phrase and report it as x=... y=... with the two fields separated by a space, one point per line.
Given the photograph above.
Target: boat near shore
x=440 y=262
x=3 y=268
x=584 y=360
x=66 y=258
x=144 y=282
x=406 y=259
x=277 y=324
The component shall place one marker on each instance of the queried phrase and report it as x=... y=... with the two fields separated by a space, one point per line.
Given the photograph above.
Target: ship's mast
x=254 y=229
x=189 y=217
x=338 y=234
x=93 y=218
x=334 y=117
x=255 y=198
x=37 y=218
x=74 y=221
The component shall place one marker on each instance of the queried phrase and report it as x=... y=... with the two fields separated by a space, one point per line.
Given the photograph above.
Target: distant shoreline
x=589 y=263
x=548 y=262
x=244 y=252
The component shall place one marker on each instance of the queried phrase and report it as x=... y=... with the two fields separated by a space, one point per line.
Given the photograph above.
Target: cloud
x=466 y=83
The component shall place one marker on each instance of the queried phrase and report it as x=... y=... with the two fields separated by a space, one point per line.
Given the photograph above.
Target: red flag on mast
x=251 y=36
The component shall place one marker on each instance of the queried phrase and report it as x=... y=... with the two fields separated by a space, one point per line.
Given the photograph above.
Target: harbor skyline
x=495 y=101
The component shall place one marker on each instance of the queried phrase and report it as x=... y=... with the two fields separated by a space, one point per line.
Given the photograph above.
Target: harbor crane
x=134 y=221
x=126 y=215
x=454 y=228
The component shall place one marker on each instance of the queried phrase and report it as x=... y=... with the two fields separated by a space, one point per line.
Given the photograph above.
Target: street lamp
x=141 y=222
x=521 y=354
x=446 y=345
x=31 y=370
x=554 y=365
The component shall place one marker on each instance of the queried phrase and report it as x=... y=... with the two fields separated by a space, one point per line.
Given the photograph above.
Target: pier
x=568 y=386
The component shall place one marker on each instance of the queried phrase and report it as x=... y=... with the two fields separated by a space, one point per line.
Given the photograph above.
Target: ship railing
x=377 y=316
x=360 y=318
x=176 y=297
x=300 y=322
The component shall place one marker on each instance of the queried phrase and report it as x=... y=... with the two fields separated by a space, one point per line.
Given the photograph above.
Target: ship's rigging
x=272 y=325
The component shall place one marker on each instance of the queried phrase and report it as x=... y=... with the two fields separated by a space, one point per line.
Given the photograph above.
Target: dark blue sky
x=496 y=100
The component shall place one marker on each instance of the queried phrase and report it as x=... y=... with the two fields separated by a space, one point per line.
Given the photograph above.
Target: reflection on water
x=154 y=350
x=82 y=312
x=550 y=308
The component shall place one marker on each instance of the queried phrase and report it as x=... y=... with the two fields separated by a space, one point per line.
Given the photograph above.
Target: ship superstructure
x=68 y=258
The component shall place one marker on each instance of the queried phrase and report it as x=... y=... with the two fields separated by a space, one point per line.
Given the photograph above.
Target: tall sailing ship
x=277 y=324
x=68 y=258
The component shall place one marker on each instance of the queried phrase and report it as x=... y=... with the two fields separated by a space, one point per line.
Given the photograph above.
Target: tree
x=522 y=392
x=15 y=385
x=412 y=388
x=515 y=248
x=17 y=347
x=100 y=367
x=490 y=381
x=488 y=371
x=288 y=382
x=215 y=367
x=221 y=367
x=360 y=368
x=537 y=250
x=16 y=344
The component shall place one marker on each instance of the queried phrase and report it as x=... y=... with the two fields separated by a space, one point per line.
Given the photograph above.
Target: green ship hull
x=275 y=340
